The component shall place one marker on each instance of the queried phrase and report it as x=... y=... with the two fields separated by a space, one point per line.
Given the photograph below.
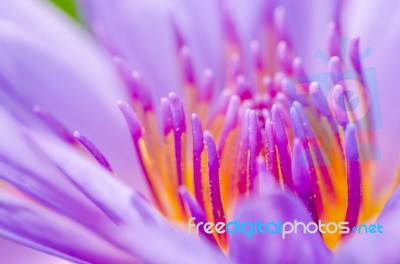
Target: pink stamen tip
x=338 y=105
x=319 y=99
x=131 y=119
x=179 y=39
x=229 y=25
x=279 y=23
x=187 y=64
x=303 y=119
x=166 y=116
x=197 y=133
x=54 y=124
x=335 y=69
x=289 y=88
x=178 y=114
x=135 y=84
x=208 y=85
x=131 y=80
x=354 y=54
x=178 y=118
x=284 y=58
x=236 y=66
x=213 y=169
x=256 y=55
x=333 y=39
x=140 y=91
x=300 y=72
x=297 y=125
x=242 y=88
x=245 y=125
x=94 y=151
x=223 y=101
x=302 y=129
x=269 y=85
x=282 y=147
x=353 y=172
x=302 y=177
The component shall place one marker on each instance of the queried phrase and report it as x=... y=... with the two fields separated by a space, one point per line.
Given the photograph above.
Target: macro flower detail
x=161 y=124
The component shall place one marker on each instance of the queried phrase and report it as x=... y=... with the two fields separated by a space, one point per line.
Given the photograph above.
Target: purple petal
x=272 y=248
x=392 y=205
x=37 y=179
x=74 y=82
x=97 y=184
x=33 y=226
x=168 y=245
x=373 y=247
x=13 y=253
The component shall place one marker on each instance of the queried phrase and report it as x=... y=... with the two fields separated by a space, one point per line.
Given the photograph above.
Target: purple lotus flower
x=169 y=112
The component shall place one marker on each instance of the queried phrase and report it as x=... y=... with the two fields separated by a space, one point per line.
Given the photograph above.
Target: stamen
x=319 y=100
x=302 y=177
x=196 y=212
x=319 y=158
x=242 y=88
x=136 y=132
x=282 y=146
x=353 y=173
x=124 y=72
x=208 y=85
x=254 y=147
x=270 y=148
x=179 y=39
x=339 y=105
x=178 y=117
x=187 y=65
x=229 y=26
x=300 y=74
x=241 y=164
x=335 y=70
x=213 y=169
x=284 y=57
x=236 y=68
x=256 y=56
x=333 y=39
x=96 y=153
x=269 y=86
x=198 y=147
x=279 y=23
x=300 y=134
x=132 y=120
x=354 y=54
x=54 y=124
x=139 y=91
x=166 y=116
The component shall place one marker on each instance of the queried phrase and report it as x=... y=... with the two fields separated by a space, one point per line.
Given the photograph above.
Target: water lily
x=114 y=136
